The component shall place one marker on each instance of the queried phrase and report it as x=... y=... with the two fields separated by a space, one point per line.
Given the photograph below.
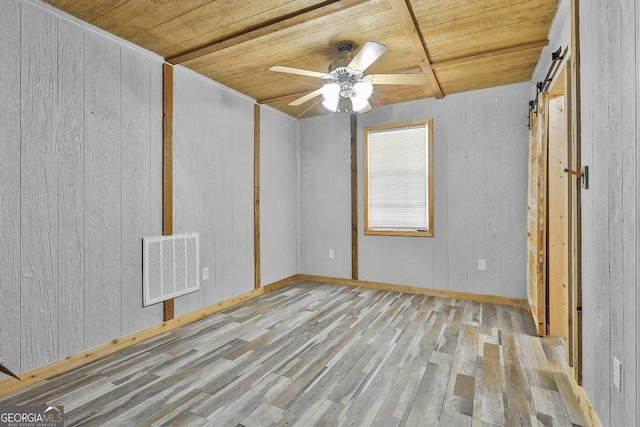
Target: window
x=398 y=179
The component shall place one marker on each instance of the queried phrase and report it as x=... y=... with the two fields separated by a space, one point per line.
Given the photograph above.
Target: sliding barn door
x=536 y=210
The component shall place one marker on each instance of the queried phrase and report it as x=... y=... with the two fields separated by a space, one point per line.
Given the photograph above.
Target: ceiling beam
x=416 y=42
x=280 y=24
x=491 y=54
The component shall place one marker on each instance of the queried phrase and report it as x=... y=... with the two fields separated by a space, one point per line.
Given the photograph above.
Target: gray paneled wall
x=81 y=154
x=10 y=272
x=81 y=169
x=610 y=76
x=325 y=195
x=278 y=196
x=480 y=167
x=213 y=184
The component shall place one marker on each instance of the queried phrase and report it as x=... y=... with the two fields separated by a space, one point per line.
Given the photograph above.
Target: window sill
x=398 y=233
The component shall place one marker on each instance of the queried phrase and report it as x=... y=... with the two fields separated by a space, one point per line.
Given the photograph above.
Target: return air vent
x=171 y=266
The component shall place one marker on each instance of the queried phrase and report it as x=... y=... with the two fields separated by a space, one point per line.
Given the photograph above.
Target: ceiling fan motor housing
x=344 y=57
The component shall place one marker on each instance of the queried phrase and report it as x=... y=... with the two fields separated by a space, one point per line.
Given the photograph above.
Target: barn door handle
x=576 y=173
x=584 y=175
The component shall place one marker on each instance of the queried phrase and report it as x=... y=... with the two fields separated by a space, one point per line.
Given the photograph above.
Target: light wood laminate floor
x=322 y=354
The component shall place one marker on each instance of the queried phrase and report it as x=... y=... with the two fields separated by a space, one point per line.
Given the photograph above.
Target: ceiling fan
x=346 y=82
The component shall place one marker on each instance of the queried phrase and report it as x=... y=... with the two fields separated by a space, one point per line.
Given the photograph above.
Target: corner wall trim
x=44 y=372
x=494 y=299
x=256 y=195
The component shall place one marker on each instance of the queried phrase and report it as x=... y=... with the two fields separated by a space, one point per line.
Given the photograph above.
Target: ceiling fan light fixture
x=363 y=89
x=331 y=94
x=331 y=104
x=331 y=91
x=359 y=102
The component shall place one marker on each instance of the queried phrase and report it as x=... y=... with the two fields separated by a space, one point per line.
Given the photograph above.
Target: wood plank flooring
x=317 y=354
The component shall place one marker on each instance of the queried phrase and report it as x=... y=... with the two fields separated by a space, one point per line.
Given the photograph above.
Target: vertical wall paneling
x=102 y=190
x=598 y=284
x=10 y=268
x=188 y=166
x=438 y=258
x=278 y=195
x=136 y=187
x=81 y=167
x=458 y=249
x=213 y=143
x=480 y=146
x=614 y=116
x=325 y=194
x=633 y=399
x=223 y=181
x=39 y=210
x=256 y=195
x=210 y=287
x=242 y=161
x=70 y=145
x=587 y=71
x=610 y=206
x=477 y=200
x=492 y=200
x=512 y=175
x=624 y=410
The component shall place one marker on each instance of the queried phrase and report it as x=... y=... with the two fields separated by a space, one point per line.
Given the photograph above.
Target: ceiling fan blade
x=290 y=70
x=400 y=79
x=306 y=98
x=367 y=55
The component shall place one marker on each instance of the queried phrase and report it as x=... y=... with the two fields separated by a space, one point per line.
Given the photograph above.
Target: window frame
x=429 y=232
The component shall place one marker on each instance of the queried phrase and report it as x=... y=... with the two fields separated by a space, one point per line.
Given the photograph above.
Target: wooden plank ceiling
x=461 y=44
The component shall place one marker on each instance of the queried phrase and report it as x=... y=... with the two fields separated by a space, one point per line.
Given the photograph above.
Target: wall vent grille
x=171 y=266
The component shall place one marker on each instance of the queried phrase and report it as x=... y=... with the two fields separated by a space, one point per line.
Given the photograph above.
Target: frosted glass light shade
x=363 y=90
x=331 y=104
x=358 y=102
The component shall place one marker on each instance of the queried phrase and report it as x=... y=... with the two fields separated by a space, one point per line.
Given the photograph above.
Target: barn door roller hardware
x=584 y=175
x=556 y=58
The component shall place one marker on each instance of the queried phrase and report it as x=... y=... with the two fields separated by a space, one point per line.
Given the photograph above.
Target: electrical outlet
x=205 y=273
x=482 y=264
x=617 y=368
x=332 y=254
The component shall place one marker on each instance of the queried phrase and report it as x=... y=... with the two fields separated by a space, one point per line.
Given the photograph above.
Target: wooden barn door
x=536 y=212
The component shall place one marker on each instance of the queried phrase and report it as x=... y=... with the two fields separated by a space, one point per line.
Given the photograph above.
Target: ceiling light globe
x=363 y=89
x=331 y=104
x=358 y=102
x=331 y=92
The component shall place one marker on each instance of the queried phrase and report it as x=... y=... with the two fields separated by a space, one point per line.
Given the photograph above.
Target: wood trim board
x=167 y=166
x=494 y=299
x=167 y=149
x=416 y=41
x=354 y=196
x=577 y=198
x=585 y=404
x=256 y=195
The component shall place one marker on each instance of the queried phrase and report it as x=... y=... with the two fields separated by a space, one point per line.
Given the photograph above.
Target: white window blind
x=398 y=179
